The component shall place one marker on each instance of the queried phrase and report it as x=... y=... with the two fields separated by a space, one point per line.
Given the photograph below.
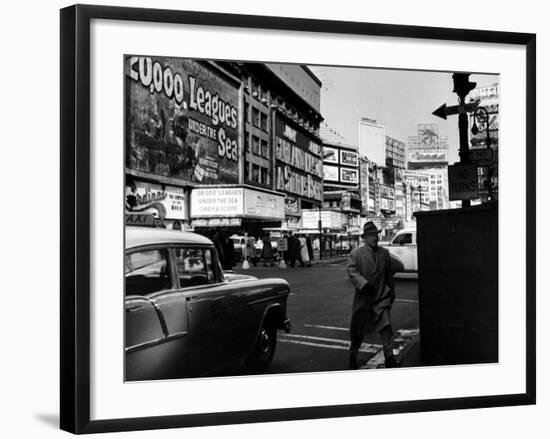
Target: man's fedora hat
x=370 y=229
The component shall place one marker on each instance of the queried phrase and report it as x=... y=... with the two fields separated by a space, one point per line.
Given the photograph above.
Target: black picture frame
x=75 y=217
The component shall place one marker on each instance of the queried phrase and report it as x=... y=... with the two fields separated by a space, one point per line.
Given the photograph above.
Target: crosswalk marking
x=365 y=347
x=326 y=327
x=403 y=338
x=331 y=340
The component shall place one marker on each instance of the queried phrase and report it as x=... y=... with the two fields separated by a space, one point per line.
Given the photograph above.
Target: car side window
x=194 y=266
x=146 y=272
x=405 y=238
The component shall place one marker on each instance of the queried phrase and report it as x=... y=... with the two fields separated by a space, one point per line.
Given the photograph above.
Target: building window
x=255 y=145
x=263 y=121
x=265 y=148
x=247 y=112
x=256 y=117
x=264 y=175
x=247 y=141
x=255 y=173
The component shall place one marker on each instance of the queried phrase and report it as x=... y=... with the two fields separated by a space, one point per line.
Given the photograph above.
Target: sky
x=397 y=99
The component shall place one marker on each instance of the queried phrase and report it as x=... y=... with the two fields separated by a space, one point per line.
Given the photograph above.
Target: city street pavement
x=319 y=308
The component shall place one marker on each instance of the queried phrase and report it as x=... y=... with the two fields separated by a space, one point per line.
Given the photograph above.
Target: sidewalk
x=324 y=261
x=406 y=349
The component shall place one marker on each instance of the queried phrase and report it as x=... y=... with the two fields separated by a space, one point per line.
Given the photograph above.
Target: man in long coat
x=293 y=249
x=369 y=269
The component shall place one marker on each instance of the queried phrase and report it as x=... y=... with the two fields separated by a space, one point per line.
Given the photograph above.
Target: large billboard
x=349 y=158
x=349 y=175
x=299 y=163
x=166 y=202
x=229 y=202
x=372 y=141
x=340 y=166
x=181 y=120
x=330 y=154
x=428 y=146
x=330 y=173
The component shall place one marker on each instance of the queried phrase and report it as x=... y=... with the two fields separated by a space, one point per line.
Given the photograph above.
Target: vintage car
x=239 y=244
x=403 y=250
x=185 y=317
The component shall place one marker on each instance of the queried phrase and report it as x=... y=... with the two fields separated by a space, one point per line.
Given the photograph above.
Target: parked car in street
x=185 y=317
x=239 y=244
x=403 y=249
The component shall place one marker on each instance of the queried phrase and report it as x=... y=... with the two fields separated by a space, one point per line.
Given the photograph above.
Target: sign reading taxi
x=463 y=182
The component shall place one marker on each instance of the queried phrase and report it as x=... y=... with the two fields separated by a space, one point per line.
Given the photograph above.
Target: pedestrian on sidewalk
x=304 y=254
x=369 y=269
x=250 y=248
x=309 y=249
x=267 y=250
x=293 y=249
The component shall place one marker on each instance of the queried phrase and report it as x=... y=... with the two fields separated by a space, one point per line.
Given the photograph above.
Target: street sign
x=463 y=182
x=482 y=157
x=281 y=245
x=445 y=111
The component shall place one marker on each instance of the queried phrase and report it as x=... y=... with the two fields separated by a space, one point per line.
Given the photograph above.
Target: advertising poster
x=330 y=173
x=150 y=198
x=292 y=206
x=181 y=120
x=349 y=175
x=349 y=158
x=263 y=205
x=217 y=202
x=298 y=169
x=364 y=186
x=330 y=155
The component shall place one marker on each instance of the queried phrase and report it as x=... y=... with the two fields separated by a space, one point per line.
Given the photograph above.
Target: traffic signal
x=462 y=86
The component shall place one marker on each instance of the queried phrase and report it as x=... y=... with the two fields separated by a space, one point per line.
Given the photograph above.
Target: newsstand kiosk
x=458 y=285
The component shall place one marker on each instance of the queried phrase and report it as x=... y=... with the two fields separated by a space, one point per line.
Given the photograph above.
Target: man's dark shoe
x=391 y=362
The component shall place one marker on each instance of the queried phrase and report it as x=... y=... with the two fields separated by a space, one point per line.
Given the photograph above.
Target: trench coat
x=309 y=248
x=293 y=248
x=371 y=274
x=267 y=249
x=304 y=254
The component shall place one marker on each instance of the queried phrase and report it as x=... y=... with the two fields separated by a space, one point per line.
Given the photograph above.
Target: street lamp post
x=483 y=115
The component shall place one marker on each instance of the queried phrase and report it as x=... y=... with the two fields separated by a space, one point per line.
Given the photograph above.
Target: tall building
x=372 y=141
x=221 y=144
x=427 y=152
x=341 y=176
x=395 y=153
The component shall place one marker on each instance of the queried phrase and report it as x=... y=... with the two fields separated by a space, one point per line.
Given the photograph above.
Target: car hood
x=231 y=276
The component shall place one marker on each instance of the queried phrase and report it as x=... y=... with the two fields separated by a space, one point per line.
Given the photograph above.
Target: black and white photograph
x=292 y=219
x=295 y=218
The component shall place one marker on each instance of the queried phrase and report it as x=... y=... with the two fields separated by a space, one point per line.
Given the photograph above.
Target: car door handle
x=134 y=308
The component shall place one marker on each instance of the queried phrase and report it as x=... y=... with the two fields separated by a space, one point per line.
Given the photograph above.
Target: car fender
x=397 y=265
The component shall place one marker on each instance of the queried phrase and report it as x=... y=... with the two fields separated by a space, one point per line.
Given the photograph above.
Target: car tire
x=263 y=351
